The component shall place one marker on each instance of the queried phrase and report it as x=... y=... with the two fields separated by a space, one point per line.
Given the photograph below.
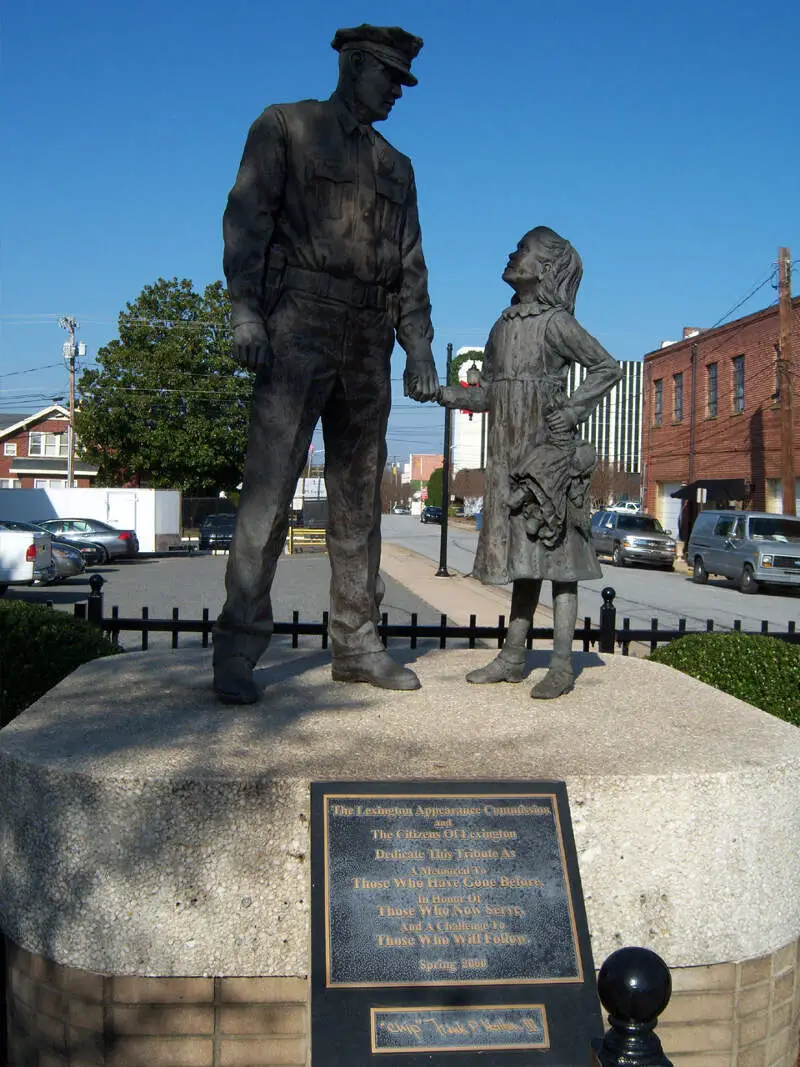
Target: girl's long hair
x=559 y=287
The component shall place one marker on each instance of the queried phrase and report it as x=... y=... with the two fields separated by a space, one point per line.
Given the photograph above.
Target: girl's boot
x=509 y=664
x=560 y=678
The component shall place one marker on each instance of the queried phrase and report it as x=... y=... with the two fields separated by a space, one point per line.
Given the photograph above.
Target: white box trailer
x=155 y=514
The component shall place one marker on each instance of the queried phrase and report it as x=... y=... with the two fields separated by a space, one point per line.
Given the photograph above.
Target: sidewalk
x=458 y=597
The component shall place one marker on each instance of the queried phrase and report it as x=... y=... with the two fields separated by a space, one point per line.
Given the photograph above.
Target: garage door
x=668 y=509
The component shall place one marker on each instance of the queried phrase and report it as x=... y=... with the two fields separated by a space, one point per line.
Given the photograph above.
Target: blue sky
x=659 y=138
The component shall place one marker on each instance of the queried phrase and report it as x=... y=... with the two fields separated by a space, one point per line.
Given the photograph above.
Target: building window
x=738 y=383
x=50 y=483
x=47 y=444
x=10 y=483
x=10 y=448
x=711 y=390
x=677 y=396
x=658 y=401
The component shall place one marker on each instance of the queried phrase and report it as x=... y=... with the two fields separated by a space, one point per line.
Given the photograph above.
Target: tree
x=469 y=483
x=435 y=486
x=611 y=483
x=167 y=405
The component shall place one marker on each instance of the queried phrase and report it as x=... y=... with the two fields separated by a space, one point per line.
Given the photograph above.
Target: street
x=643 y=593
x=192 y=583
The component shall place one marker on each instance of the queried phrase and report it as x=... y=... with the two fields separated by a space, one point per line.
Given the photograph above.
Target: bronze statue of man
x=325 y=268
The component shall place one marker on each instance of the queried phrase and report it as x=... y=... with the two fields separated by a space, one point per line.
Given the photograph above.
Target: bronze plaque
x=448 y=917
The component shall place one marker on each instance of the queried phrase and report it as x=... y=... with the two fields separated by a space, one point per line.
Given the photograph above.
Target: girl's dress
x=536 y=498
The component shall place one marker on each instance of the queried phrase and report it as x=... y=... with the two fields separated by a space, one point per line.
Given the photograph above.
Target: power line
x=744 y=299
x=31 y=370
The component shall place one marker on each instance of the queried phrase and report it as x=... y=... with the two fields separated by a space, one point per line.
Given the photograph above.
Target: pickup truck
x=25 y=558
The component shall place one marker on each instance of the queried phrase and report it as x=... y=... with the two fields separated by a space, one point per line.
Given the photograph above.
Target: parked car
x=68 y=561
x=431 y=514
x=751 y=547
x=90 y=554
x=66 y=557
x=633 y=538
x=216 y=531
x=626 y=505
x=115 y=544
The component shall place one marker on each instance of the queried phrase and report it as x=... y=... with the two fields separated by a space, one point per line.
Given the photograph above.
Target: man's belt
x=345 y=290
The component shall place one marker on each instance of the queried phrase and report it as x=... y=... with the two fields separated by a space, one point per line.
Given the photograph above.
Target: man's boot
x=233 y=680
x=558 y=680
x=507 y=666
x=375 y=668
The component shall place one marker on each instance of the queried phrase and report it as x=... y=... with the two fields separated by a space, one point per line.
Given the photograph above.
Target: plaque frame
x=343 y=1012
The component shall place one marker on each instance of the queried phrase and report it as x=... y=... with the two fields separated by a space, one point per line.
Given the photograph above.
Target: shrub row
x=39 y=647
x=762 y=670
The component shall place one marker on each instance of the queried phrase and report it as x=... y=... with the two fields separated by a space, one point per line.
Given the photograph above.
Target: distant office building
x=615 y=428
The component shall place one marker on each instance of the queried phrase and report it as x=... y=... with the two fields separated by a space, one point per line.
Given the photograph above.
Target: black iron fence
x=605 y=636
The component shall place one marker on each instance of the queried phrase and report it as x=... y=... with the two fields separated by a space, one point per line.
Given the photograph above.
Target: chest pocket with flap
x=390 y=204
x=331 y=187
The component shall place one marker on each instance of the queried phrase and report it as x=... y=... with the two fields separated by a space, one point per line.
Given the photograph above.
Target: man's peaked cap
x=390 y=44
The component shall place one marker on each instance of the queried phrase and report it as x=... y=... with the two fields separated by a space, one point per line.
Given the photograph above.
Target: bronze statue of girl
x=536 y=501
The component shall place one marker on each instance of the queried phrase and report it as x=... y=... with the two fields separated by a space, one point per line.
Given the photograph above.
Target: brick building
x=421 y=466
x=33 y=451
x=711 y=414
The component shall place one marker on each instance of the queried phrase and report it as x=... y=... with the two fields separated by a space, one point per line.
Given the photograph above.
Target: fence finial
x=94 y=611
x=608 y=620
x=634 y=986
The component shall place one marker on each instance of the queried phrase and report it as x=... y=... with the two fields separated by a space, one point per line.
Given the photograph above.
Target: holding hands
x=420 y=380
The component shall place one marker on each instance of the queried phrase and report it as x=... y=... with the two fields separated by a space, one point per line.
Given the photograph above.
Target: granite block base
x=148 y=833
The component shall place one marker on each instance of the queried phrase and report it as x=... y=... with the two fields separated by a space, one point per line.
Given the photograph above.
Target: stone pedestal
x=154 y=875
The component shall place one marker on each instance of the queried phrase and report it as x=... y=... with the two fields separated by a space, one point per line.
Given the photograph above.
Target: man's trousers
x=329 y=361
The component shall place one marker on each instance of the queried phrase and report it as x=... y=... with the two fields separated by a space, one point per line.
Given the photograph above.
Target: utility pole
x=443 y=571
x=788 y=484
x=70 y=352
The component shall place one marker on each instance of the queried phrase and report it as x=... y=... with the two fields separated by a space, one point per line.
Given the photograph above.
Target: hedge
x=762 y=670
x=38 y=648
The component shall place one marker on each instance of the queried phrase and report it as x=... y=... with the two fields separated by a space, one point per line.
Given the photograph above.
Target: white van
x=751 y=547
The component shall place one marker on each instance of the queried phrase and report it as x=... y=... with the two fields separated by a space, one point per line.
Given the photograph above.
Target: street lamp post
x=443 y=571
x=474 y=378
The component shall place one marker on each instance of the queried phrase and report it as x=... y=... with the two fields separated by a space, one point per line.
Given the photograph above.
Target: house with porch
x=34 y=451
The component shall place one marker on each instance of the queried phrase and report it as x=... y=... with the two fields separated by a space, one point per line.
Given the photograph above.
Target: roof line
x=31 y=418
x=714 y=331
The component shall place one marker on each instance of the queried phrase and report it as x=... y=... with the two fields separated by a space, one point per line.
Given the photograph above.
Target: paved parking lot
x=192 y=583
